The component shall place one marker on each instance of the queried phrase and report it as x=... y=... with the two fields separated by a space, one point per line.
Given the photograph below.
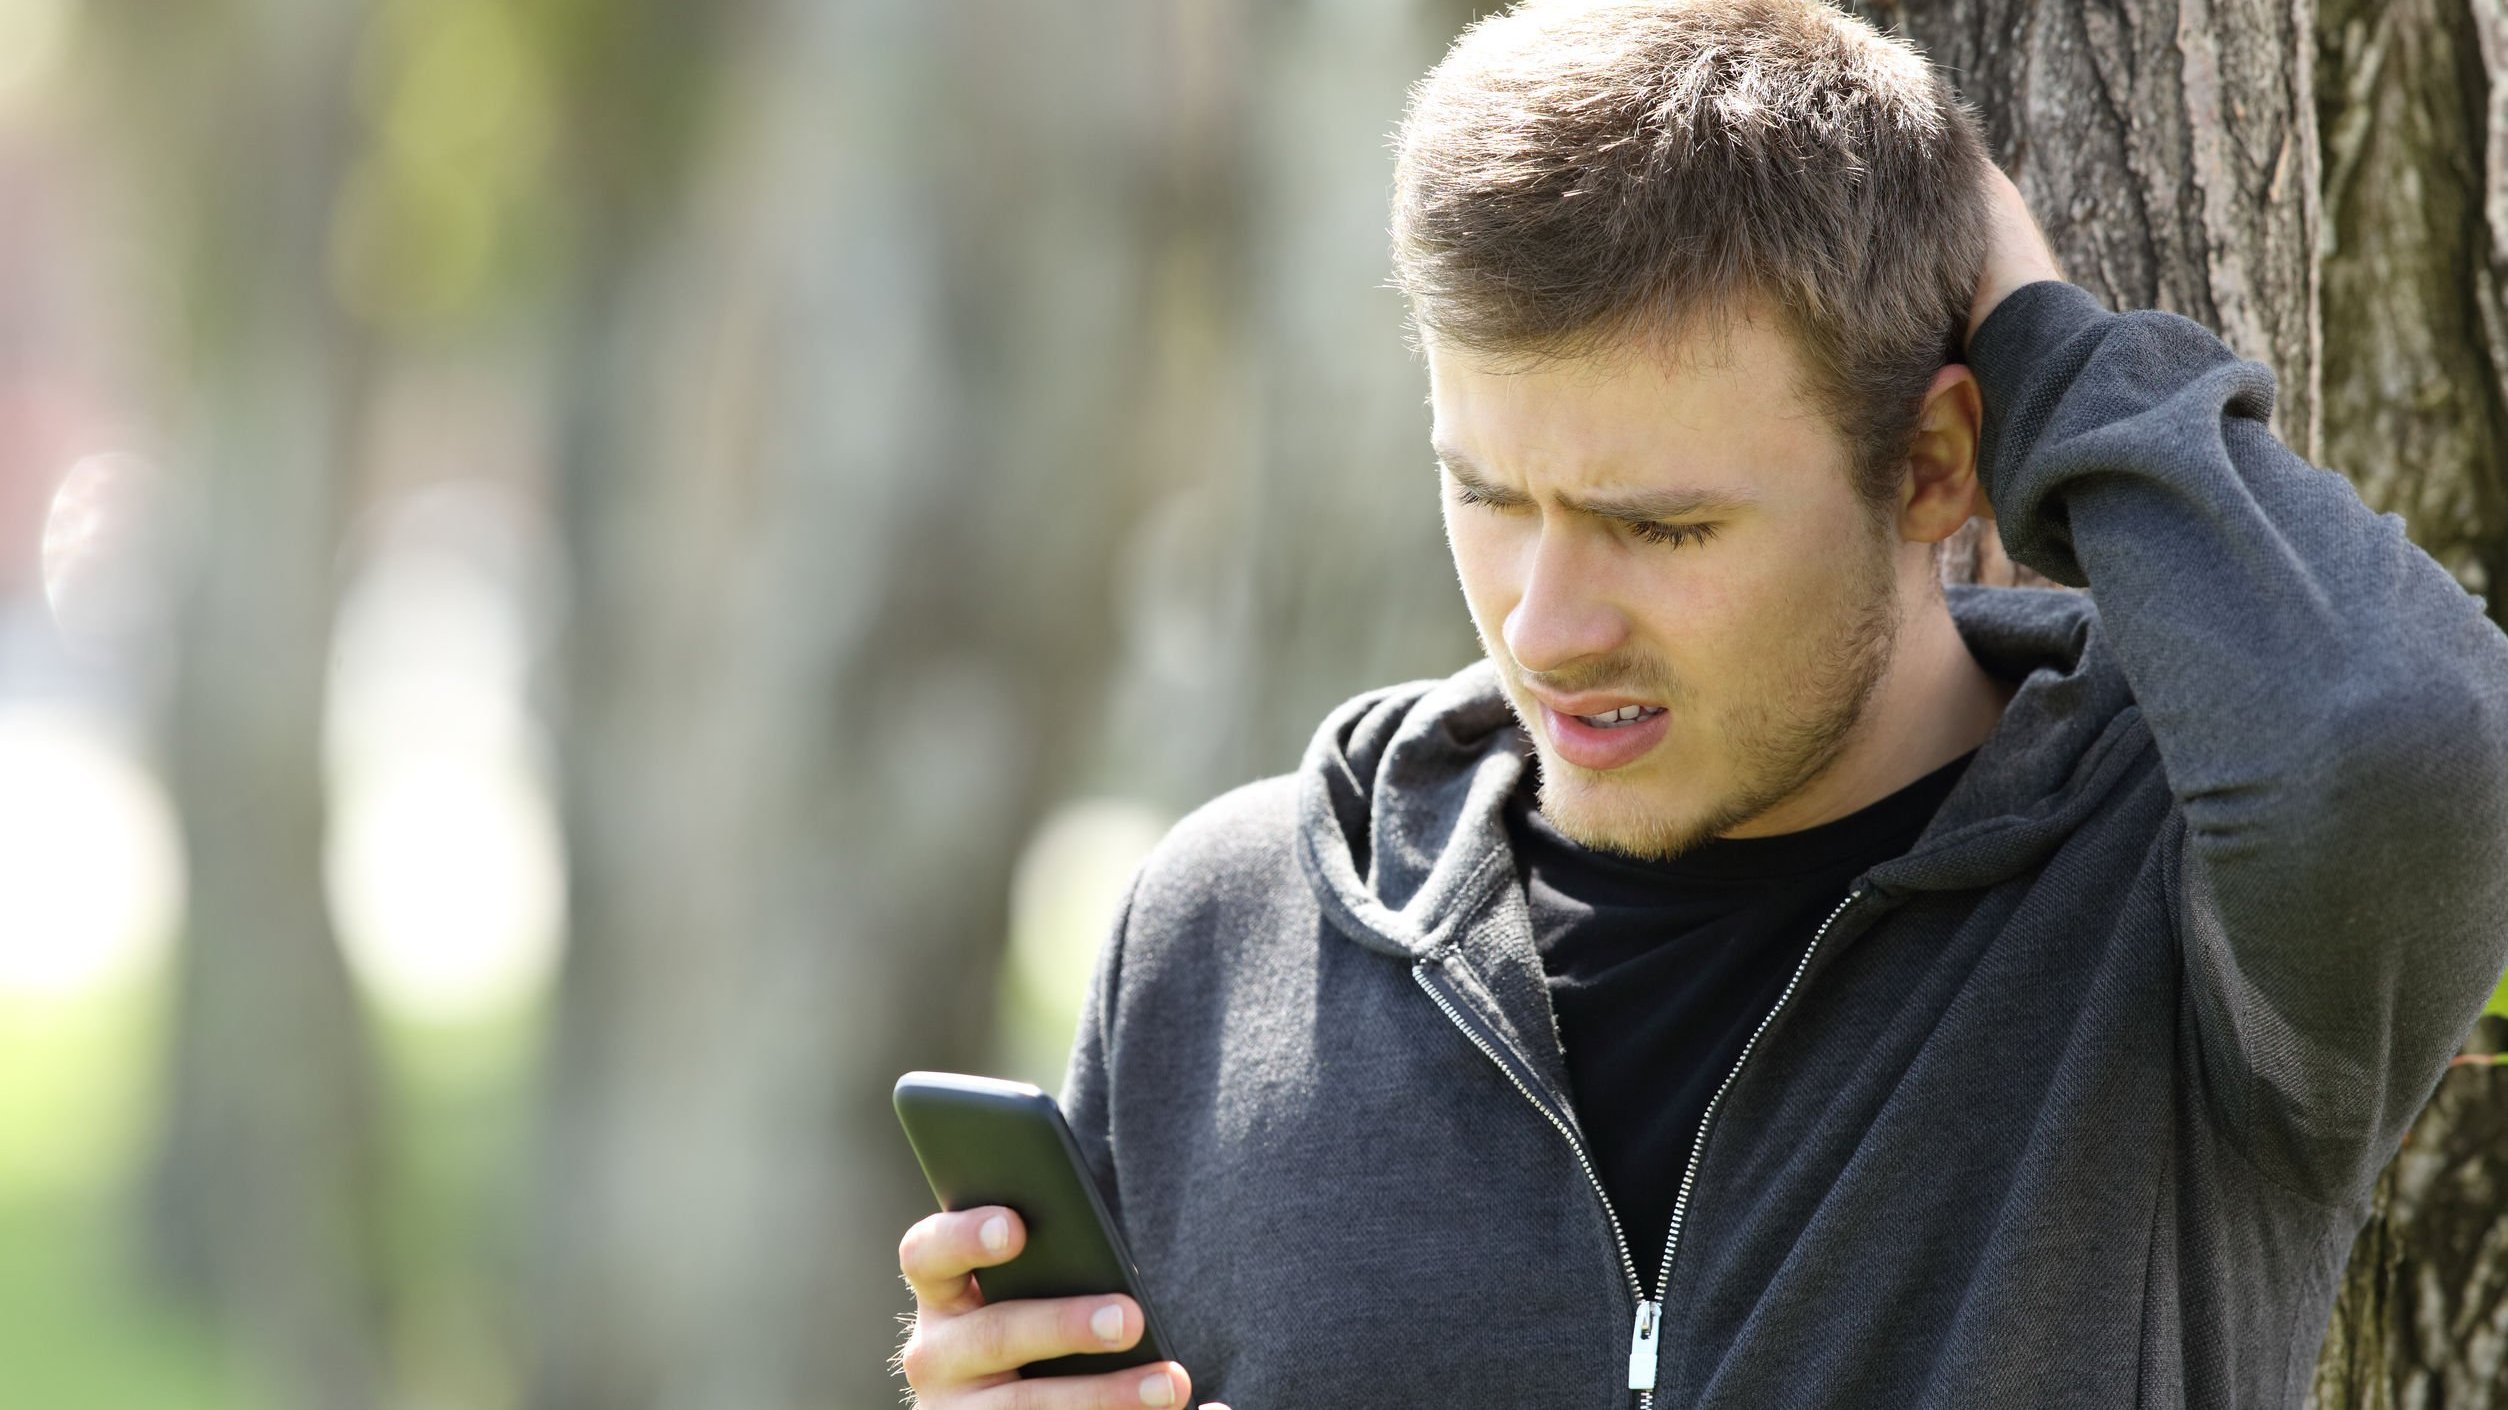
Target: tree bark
x=2416 y=181
x=2169 y=149
x=2415 y=123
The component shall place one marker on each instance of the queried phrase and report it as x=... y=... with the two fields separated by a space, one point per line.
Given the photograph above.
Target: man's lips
x=1591 y=702
x=1592 y=746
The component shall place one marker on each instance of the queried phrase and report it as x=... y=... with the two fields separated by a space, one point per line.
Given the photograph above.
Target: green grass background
x=80 y=1328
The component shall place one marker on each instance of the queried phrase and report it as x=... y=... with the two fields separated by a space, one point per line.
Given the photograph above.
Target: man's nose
x=1565 y=613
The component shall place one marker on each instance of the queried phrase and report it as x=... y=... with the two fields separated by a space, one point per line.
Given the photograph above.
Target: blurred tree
x=1294 y=555
x=994 y=319
x=848 y=372
x=265 y=1197
x=2171 y=152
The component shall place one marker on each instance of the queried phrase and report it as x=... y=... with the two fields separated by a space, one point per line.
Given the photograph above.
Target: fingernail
x=1107 y=1322
x=995 y=1234
x=1158 y=1390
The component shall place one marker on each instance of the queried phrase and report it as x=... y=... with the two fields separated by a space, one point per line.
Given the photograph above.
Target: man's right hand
x=963 y=1355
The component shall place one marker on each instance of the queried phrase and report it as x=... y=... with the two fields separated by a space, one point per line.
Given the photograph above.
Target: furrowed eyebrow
x=1631 y=507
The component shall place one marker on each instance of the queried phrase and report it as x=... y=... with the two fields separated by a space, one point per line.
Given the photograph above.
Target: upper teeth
x=1625 y=712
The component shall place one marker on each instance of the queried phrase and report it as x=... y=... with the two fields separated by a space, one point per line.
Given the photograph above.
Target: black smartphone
x=984 y=1141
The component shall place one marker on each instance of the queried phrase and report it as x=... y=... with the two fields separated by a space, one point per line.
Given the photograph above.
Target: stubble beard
x=1776 y=747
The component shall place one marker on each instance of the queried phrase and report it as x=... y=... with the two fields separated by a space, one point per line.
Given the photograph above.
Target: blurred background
x=582 y=582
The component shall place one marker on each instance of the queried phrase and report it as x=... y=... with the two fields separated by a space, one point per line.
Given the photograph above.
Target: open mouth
x=1624 y=716
x=1613 y=739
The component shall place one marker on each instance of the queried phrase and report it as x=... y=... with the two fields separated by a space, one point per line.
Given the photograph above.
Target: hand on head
x=2017 y=251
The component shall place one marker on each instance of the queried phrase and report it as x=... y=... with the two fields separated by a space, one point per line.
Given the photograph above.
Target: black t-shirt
x=1658 y=972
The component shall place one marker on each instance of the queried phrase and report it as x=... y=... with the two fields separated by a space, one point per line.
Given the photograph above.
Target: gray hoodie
x=2076 y=1103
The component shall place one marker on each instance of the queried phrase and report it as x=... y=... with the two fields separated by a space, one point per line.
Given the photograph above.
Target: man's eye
x=1673 y=534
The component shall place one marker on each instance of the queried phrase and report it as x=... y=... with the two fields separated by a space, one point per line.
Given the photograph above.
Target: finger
x=1008 y=1335
x=941 y=1250
x=1162 y=1385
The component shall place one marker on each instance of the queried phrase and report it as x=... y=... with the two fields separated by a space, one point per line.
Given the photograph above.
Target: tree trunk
x=266 y=1192
x=2416 y=147
x=2169 y=149
x=845 y=471
x=1295 y=556
x=2178 y=168
x=2415 y=119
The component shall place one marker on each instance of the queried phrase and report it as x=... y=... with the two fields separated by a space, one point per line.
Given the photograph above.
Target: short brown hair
x=1576 y=173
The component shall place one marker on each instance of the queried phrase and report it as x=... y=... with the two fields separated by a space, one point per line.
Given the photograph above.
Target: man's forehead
x=1703 y=338
x=1752 y=373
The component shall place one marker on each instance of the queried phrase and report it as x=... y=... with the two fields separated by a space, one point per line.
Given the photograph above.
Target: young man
x=1770 y=978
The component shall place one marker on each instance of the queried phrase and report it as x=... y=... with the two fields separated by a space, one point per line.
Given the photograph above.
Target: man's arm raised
x=2330 y=705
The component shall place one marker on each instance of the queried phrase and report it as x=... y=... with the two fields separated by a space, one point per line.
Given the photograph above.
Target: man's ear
x=1942 y=491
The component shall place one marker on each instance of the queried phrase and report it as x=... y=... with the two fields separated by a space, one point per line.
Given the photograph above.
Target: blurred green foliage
x=500 y=138
x=447 y=209
x=462 y=1100
x=78 y=1328
x=75 y=1327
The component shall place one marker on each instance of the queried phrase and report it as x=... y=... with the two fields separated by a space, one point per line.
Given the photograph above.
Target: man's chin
x=1607 y=812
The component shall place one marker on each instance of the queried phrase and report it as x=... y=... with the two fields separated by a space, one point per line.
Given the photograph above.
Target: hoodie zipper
x=1645 y=1332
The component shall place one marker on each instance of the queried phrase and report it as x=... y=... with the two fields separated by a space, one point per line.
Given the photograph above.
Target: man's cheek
x=1478 y=566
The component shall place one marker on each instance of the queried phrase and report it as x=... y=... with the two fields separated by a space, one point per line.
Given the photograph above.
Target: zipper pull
x=1641 y=1347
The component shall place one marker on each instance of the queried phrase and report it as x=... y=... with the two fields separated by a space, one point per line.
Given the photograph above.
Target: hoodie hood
x=1401 y=792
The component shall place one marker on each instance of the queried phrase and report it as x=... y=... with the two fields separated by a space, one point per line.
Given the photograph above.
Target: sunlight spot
x=33 y=38
x=101 y=542
x=1069 y=884
x=444 y=861
x=445 y=878
x=90 y=863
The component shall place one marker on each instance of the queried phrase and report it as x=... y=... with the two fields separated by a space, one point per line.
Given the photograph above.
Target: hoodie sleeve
x=2330 y=706
x=1087 y=1100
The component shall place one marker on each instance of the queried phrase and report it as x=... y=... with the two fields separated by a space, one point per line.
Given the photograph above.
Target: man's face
x=1752 y=639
